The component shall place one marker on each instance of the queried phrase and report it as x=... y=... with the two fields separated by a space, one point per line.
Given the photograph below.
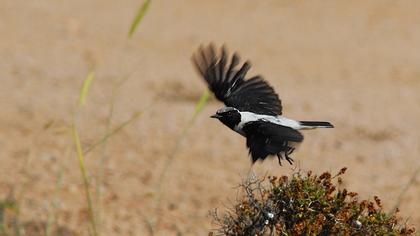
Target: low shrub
x=305 y=204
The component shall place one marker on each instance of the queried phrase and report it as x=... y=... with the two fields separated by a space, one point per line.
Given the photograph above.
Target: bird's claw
x=289 y=159
x=286 y=154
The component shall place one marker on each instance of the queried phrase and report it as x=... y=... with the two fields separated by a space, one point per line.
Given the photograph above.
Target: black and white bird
x=253 y=109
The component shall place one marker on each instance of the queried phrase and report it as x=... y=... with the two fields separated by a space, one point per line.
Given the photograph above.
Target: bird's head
x=229 y=116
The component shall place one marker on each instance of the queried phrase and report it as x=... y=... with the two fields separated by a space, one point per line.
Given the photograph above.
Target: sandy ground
x=354 y=63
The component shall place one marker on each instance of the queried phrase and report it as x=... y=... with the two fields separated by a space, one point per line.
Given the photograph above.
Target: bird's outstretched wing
x=264 y=138
x=227 y=81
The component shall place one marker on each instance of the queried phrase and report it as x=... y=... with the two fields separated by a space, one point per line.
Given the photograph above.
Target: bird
x=252 y=107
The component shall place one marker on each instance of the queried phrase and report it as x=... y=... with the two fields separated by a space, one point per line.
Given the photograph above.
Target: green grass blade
x=139 y=16
x=200 y=104
x=85 y=88
x=82 y=166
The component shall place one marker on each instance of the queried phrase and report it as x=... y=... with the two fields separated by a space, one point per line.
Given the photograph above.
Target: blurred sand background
x=354 y=63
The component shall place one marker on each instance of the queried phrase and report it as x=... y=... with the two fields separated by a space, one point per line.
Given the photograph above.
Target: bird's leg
x=279 y=157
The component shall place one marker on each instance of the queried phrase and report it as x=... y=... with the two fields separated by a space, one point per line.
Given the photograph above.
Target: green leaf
x=140 y=14
x=85 y=88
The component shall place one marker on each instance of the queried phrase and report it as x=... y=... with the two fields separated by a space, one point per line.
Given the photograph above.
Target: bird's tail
x=316 y=124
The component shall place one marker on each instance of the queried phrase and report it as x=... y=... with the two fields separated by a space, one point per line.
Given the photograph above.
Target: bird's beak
x=215 y=116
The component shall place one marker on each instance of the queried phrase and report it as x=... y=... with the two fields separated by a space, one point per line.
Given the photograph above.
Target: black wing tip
x=247 y=65
x=207 y=49
x=210 y=54
x=204 y=57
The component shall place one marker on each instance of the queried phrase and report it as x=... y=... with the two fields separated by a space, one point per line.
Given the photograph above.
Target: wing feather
x=229 y=85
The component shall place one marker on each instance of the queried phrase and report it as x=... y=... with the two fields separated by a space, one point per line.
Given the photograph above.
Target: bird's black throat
x=230 y=119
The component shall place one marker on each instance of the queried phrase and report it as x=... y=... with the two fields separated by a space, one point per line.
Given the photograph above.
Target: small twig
x=52 y=220
x=410 y=182
x=149 y=226
x=110 y=134
x=104 y=142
